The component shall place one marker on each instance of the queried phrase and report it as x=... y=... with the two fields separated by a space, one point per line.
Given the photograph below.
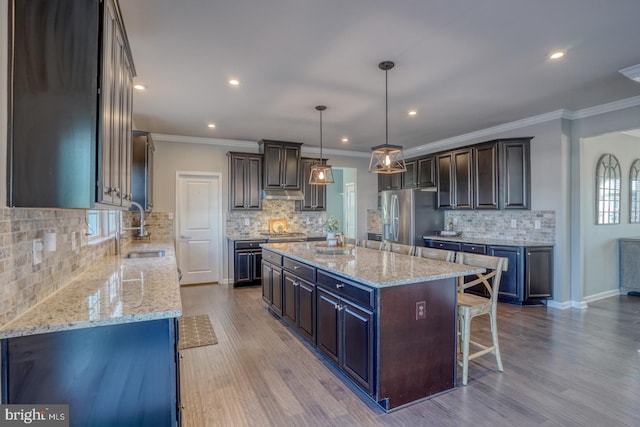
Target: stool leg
x=466 y=318
x=494 y=336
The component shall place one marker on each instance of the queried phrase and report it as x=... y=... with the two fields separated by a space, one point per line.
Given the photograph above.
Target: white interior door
x=199 y=214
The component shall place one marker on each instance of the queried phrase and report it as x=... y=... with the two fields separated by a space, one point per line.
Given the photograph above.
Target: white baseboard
x=583 y=304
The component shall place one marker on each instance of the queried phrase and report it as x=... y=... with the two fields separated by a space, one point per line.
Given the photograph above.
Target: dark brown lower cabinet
x=116 y=375
x=529 y=277
x=372 y=334
x=272 y=286
x=345 y=335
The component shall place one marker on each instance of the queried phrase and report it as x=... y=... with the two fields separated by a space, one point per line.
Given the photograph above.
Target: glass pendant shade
x=387 y=158
x=321 y=172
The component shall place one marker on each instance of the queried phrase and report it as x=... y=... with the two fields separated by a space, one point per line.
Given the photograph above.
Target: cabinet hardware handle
x=337 y=306
x=339 y=285
x=295 y=267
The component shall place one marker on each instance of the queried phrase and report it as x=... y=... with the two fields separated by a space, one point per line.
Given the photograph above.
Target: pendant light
x=386 y=158
x=321 y=173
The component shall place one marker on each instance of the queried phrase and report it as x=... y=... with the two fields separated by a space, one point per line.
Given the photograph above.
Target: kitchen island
x=387 y=321
x=105 y=344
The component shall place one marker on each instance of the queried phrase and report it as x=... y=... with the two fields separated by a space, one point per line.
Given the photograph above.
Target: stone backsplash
x=498 y=224
x=256 y=222
x=22 y=284
x=159 y=225
x=491 y=224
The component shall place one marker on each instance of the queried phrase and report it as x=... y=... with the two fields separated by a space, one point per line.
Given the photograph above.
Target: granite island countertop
x=116 y=290
x=488 y=241
x=372 y=267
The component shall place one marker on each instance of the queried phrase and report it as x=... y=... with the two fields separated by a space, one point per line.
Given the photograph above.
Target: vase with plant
x=330 y=226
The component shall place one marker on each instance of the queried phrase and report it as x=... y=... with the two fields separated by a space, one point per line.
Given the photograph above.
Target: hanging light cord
x=386 y=107
x=321 y=162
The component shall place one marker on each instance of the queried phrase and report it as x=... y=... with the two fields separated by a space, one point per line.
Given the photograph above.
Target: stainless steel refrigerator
x=407 y=215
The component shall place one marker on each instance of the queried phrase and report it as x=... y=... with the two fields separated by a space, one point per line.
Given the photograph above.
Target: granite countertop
x=488 y=241
x=372 y=267
x=116 y=290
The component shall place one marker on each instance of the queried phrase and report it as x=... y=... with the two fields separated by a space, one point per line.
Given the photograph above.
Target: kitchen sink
x=146 y=254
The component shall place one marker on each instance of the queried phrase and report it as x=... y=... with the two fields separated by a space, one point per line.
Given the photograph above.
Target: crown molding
x=432 y=146
x=207 y=141
x=529 y=121
x=606 y=108
x=335 y=152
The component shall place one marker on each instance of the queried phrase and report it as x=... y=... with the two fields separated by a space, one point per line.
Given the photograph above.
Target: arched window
x=634 y=192
x=608 y=190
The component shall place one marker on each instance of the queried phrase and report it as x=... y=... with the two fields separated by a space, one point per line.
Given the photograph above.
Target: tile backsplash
x=22 y=284
x=491 y=224
x=256 y=222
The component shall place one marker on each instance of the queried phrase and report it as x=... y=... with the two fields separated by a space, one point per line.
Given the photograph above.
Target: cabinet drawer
x=476 y=249
x=301 y=270
x=272 y=257
x=449 y=246
x=355 y=291
x=249 y=244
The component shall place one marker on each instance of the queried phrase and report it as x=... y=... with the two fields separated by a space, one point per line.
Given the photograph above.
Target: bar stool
x=433 y=253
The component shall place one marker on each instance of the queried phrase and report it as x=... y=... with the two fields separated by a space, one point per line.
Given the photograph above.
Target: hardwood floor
x=561 y=368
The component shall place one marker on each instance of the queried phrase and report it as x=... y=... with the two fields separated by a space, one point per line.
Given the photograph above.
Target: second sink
x=146 y=254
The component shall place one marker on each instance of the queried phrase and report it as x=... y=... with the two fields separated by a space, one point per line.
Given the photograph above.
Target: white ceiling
x=465 y=65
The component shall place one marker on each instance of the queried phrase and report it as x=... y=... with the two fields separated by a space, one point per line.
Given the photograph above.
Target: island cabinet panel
x=122 y=375
x=346 y=337
x=373 y=335
x=272 y=281
x=417 y=356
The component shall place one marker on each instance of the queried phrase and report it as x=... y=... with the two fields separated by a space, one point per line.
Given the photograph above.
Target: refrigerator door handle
x=395 y=219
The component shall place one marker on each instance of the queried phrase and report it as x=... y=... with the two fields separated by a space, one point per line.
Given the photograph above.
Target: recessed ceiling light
x=234 y=82
x=211 y=125
x=412 y=112
x=632 y=72
x=139 y=87
x=557 y=54
x=345 y=139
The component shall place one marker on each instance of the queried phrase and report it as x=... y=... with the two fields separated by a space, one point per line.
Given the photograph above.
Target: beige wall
x=600 y=254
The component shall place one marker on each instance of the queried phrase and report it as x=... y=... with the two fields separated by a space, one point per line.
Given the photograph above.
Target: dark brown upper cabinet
x=245 y=181
x=486 y=176
x=515 y=173
x=410 y=177
x=392 y=181
x=281 y=164
x=455 y=179
x=142 y=169
x=315 y=196
x=426 y=172
x=71 y=78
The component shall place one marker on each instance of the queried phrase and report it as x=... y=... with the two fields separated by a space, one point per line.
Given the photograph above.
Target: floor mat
x=195 y=331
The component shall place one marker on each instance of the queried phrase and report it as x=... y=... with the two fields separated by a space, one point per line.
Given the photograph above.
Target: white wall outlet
x=536 y=224
x=308 y=221
x=38 y=247
x=514 y=223
x=74 y=241
x=170 y=215
x=247 y=221
x=50 y=242
x=455 y=220
x=319 y=220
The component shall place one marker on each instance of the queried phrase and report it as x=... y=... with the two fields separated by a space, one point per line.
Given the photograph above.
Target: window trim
x=634 y=192
x=106 y=227
x=608 y=194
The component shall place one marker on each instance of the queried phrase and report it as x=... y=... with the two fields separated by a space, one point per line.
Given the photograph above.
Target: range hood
x=282 y=195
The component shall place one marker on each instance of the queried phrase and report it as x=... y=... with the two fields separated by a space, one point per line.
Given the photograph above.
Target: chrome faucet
x=141 y=232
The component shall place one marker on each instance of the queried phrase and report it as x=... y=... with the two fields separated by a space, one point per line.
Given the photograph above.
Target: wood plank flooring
x=561 y=368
